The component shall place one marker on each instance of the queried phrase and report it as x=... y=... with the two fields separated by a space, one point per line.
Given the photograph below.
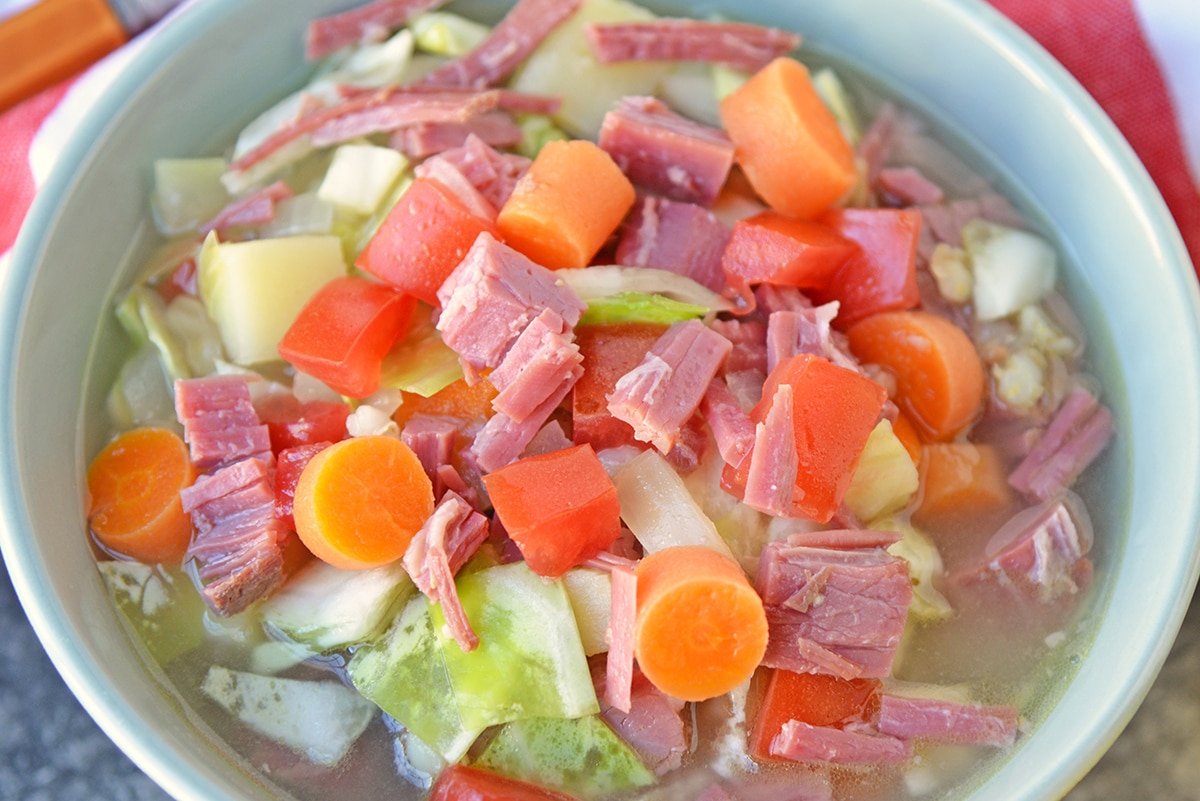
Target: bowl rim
x=180 y=778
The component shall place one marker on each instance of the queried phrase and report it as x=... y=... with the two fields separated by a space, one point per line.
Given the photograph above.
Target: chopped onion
x=605 y=281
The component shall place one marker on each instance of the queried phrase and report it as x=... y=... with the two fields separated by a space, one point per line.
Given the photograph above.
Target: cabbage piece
x=924 y=564
x=319 y=719
x=141 y=394
x=885 y=478
x=196 y=333
x=187 y=193
x=639 y=307
x=563 y=63
x=659 y=510
x=254 y=290
x=404 y=673
x=420 y=362
x=1012 y=268
x=160 y=603
x=445 y=34
x=603 y=281
x=590 y=593
x=530 y=661
x=833 y=93
x=582 y=757
x=536 y=131
x=371 y=65
x=360 y=177
x=142 y=313
x=301 y=214
x=329 y=608
x=690 y=89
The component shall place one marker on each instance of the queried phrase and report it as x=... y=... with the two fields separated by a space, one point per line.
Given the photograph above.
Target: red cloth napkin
x=1099 y=41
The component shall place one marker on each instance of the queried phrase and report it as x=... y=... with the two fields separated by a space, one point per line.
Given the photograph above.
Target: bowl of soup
x=837 y=440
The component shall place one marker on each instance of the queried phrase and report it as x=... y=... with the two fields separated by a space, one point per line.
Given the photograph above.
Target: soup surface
x=600 y=405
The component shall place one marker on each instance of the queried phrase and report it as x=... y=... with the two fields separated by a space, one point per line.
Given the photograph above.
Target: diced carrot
x=609 y=352
x=774 y=248
x=812 y=698
x=467 y=402
x=566 y=205
x=134 y=483
x=908 y=435
x=360 y=501
x=701 y=629
x=940 y=380
x=560 y=508
x=422 y=240
x=961 y=480
x=787 y=142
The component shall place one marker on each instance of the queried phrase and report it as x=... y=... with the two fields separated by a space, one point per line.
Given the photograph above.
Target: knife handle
x=51 y=41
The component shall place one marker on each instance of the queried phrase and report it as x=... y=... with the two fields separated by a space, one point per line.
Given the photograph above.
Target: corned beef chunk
x=366 y=23
x=666 y=153
x=661 y=394
x=738 y=44
x=678 y=237
x=1078 y=432
x=945 y=721
x=238 y=537
x=803 y=742
x=833 y=611
x=653 y=726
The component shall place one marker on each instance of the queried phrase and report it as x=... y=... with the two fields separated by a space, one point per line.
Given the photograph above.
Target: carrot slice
x=566 y=205
x=701 y=629
x=135 y=509
x=909 y=437
x=787 y=142
x=939 y=375
x=961 y=480
x=359 y=502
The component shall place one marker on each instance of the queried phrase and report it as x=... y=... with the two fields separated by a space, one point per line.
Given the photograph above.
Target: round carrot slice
x=701 y=629
x=359 y=502
x=135 y=510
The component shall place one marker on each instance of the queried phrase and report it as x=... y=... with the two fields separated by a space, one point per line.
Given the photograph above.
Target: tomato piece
x=609 y=352
x=344 y=331
x=560 y=508
x=833 y=412
x=462 y=783
x=882 y=276
x=292 y=422
x=422 y=240
x=289 y=464
x=816 y=699
x=774 y=248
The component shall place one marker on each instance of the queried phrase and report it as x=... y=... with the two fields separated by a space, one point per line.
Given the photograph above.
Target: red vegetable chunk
x=462 y=783
x=609 y=352
x=774 y=248
x=812 y=698
x=344 y=331
x=289 y=464
x=424 y=237
x=560 y=508
x=292 y=422
x=883 y=275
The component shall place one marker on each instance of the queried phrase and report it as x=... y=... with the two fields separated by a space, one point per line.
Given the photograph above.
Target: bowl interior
x=210 y=71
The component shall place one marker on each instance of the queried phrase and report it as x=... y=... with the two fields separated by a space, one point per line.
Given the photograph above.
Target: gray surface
x=50 y=750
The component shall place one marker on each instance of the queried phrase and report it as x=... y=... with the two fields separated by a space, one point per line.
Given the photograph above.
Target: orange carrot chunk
x=566 y=205
x=939 y=375
x=787 y=142
x=961 y=481
x=134 y=483
x=360 y=501
x=560 y=508
x=701 y=629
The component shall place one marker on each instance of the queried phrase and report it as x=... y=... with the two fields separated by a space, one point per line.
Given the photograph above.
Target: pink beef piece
x=213 y=486
x=945 y=721
x=1080 y=429
x=446 y=174
x=749 y=338
x=449 y=537
x=844 y=538
x=653 y=726
x=510 y=42
x=1041 y=555
x=729 y=422
x=220 y=424
x=540 y=359
x=432 y=439
x=772 y=298
x=678 y=237
x=618 y=686
x=367 y=23
x=257 y=574
x=771 y=479
x=492 y=296
x=549 y=438
x=493 y=173
x=502 y=439
x=907 y=186
x=659 y=396
x=848 y=605
x=790 y=333
x=803 y=742
x=666 y=153
x=257 y=208
x=425 y=139
x=738 y=44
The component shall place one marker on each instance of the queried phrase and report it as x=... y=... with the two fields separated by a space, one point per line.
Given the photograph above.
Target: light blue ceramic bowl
x=220 y=61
